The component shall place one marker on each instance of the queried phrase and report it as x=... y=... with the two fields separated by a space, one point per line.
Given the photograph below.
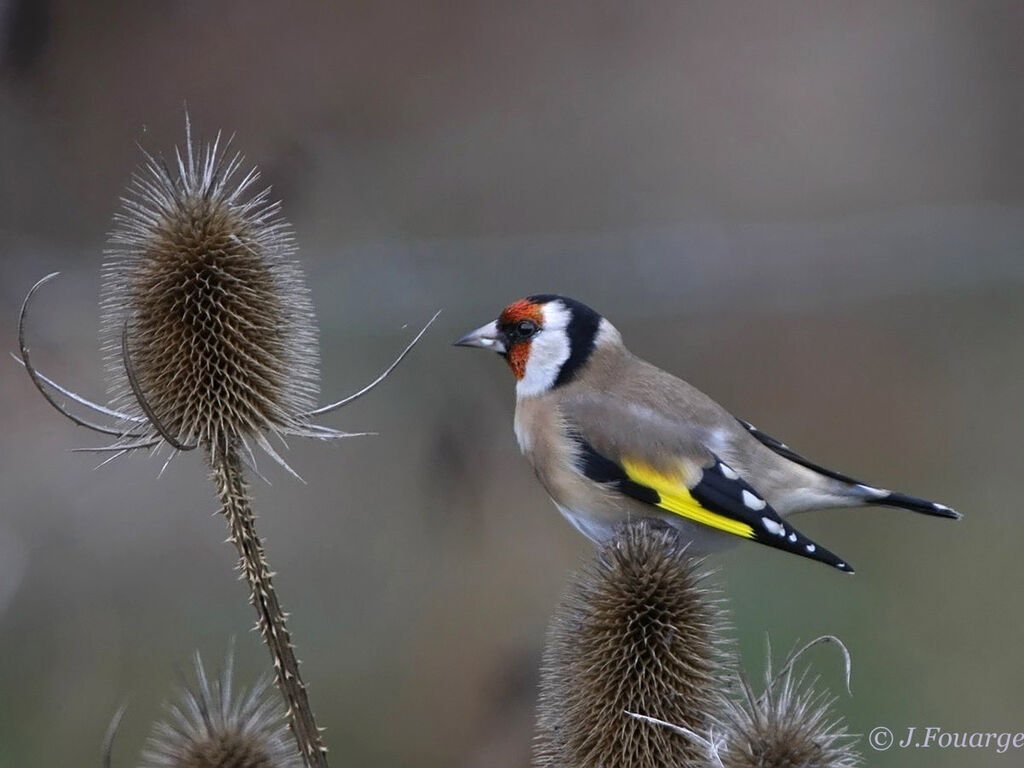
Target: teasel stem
x=236 y=506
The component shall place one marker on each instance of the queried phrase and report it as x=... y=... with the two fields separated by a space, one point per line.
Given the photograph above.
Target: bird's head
x=545 y=339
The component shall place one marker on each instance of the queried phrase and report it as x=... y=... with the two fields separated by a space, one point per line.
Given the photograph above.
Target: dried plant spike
x=107 y=750
x=711 y=743
x=41 y=381
x=129 y=371
x=219 y=319
x=638 y=633
x=384 y=374
x=790 y=725
x=794 y=657
x=212 y=726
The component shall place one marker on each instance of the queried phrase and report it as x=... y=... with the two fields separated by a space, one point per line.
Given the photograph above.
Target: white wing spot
x=752 y=501
x=792 y=537
x=811 y=547
x=773 y=527
x=841 y=566
x=941 y=507
x=727 y=472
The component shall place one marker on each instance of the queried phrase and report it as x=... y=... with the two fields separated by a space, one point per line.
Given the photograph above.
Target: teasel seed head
x=201 y=289
x=638 y=631
x=211 y=726
x=207 y=324
x=790 y=725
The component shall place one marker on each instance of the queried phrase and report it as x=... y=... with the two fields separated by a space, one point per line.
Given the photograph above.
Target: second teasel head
x=207 y=321
x=212 y=725
x=791 y=724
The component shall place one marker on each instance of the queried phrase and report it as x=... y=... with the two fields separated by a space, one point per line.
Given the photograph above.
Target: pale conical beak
x=485 y=337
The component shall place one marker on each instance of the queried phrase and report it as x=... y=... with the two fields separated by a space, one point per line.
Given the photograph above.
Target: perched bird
x=611 y=437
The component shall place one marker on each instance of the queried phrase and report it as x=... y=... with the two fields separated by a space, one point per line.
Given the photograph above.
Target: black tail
x=870 y=494
x=925 y=507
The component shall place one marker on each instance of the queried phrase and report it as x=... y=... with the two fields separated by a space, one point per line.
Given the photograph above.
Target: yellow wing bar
x=676 y=498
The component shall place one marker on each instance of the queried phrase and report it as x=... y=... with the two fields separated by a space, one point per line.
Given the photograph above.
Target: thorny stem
x=236 y=506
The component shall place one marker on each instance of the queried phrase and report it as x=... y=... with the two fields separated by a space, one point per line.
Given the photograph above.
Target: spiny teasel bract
x=790 y=725
x=639 y=631
x=201 y=277
x=212 y=726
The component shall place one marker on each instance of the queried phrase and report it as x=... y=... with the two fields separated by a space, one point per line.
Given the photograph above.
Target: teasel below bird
x=640 y=629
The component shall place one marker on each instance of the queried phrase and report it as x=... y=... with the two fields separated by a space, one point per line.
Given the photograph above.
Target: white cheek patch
x=549 y=350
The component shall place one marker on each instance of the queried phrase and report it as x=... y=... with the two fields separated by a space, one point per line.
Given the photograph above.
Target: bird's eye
x=526 y=329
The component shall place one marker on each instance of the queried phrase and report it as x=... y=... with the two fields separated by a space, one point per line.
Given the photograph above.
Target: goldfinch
x=611 y=437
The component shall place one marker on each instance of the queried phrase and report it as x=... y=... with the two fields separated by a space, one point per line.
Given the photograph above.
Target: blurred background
x=814 y=212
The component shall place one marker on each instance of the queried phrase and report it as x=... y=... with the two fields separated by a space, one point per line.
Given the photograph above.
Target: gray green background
x=812 y=211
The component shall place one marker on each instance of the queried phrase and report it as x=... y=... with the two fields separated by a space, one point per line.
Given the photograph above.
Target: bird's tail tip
x=913 y=503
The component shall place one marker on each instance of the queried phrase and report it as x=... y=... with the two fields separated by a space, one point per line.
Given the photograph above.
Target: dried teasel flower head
x=790 y=725
x=208 y=327
x=203 y=300
x=639 y=631
x=211 y=726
